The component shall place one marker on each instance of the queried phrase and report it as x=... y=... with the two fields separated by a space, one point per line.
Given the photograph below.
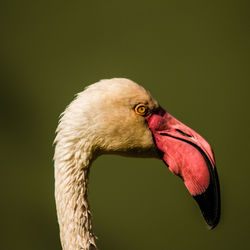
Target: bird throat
x=71 y=193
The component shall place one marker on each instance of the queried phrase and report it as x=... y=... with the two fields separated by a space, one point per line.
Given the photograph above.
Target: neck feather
x=72 y=162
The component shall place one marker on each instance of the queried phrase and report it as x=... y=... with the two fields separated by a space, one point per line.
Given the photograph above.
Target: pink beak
x=189 y=156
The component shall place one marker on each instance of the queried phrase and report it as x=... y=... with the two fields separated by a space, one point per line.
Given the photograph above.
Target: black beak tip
x=209 y=203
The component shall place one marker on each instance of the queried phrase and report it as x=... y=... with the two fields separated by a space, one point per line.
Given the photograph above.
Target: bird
x=119 y=116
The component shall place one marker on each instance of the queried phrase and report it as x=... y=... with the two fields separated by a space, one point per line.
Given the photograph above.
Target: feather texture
x=100 y=120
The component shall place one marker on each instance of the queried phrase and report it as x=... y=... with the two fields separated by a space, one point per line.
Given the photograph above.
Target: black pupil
x=142 y=109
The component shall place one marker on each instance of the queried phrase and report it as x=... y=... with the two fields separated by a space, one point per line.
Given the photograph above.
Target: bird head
x=119 y=116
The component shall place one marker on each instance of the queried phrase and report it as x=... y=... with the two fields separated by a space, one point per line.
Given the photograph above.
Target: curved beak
x=189 y=156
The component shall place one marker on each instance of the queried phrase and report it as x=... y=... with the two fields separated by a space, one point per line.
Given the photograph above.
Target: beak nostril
x=182 y=133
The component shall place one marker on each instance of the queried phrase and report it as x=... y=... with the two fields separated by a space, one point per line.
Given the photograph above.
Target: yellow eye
x=141 y=109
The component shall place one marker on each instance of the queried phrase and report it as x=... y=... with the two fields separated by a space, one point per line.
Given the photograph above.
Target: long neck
x=72 y=162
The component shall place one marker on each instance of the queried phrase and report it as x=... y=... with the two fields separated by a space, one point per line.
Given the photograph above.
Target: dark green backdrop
x=193 y=57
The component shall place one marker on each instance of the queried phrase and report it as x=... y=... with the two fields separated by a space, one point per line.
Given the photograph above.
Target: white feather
x=100 y=120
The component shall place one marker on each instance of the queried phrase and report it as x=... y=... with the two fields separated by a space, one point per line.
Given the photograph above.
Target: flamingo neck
x=72 y=164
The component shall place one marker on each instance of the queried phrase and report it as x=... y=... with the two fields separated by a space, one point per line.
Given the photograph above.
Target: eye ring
x=141 y=109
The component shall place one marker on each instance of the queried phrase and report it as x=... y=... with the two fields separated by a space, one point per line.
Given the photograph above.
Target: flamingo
x=118 y=116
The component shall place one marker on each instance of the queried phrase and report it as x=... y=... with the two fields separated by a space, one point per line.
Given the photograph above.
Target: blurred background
x=193 y=56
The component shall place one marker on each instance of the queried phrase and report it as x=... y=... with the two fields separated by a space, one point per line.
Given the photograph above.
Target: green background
x=193 y=56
